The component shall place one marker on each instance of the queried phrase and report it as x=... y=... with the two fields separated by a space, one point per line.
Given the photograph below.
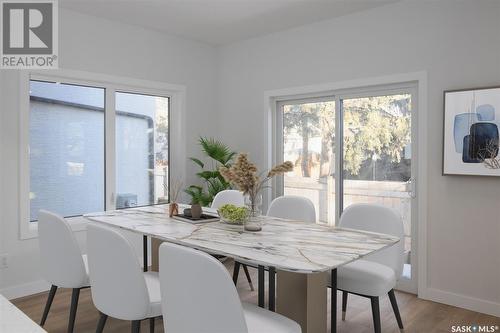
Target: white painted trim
x=2 y=208
x=26 y=229
x=121 y=83
x=421 y=184
x=325 y=88
x=339 y=160
x=271 y=97
x=176 y=93
x=110 y=147
x=463 y=301
x=25 y=289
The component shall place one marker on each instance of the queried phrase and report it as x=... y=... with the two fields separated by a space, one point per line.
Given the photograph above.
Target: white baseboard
x=462 y=301
x=25 y=289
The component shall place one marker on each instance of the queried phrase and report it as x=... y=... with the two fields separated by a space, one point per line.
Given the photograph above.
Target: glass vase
x=254 y=220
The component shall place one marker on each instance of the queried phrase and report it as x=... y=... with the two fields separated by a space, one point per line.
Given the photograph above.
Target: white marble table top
x=283 y=244
x=14 y=320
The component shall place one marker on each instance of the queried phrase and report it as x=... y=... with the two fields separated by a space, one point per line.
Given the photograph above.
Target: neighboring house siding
x=132 y=158
x=67 y=159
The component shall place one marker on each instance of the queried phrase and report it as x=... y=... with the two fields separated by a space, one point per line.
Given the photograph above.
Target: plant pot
x=173 y=209
x=196 y=211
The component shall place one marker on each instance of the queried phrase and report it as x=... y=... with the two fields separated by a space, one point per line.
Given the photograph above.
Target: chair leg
x=376 y=314
x=249 y=279
x=151 y=325
x=50 y=298
x=333 y=302
x=236 y=272
x=101 y=323
x=72 y=312
x=136 y=326
x=394 y=304
x=344 y=304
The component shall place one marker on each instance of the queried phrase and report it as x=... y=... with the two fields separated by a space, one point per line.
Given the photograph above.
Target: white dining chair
x=120 y=288
x=293 y=207
x=376 y=275
x=62 y=263
x=232 y=197
x=210 y=304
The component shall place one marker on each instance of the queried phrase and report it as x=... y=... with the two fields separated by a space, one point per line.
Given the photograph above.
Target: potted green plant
x=218 y=154
x=197 y=198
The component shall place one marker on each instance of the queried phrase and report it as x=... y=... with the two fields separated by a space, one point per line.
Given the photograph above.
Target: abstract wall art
x=471 y=132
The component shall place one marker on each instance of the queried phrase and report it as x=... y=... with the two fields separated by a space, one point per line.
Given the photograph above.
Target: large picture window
x=77 y=132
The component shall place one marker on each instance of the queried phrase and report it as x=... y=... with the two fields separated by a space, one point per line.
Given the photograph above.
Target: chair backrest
x=60 y=257
x=118 y=285
x=377 y=218
x=197 y=293
x=232 y=197
x=294 y=208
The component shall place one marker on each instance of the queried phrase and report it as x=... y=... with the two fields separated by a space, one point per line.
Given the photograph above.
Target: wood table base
x=303 y=298
x=155 y=248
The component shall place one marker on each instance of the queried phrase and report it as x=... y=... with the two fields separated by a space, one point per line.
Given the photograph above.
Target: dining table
x=13 y=320
x=297 y=255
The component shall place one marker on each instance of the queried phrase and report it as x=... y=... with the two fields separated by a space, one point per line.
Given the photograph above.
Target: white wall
x=458 y=44
x=100 y=46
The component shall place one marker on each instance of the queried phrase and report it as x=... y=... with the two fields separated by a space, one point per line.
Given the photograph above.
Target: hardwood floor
x=419 y=316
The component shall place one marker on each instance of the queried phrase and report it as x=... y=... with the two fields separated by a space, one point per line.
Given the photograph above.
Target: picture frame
x=471 y=128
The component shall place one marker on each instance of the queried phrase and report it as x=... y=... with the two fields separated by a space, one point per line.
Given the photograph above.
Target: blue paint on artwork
x=461 y=128
x=486 y=112
x=482 y=143
x=466 y=157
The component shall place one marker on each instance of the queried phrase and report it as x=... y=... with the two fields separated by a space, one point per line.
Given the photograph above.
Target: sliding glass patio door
x=377 y=158
x=352 y=147
x=308 y=140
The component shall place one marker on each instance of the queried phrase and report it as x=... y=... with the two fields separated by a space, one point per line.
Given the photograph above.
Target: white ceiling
x=219 y=22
